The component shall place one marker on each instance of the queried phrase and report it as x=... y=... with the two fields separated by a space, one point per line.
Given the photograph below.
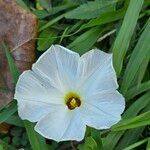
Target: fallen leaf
x=4 y=128
x=18 y=27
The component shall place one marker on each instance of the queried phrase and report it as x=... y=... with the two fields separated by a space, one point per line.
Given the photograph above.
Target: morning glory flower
x=64 y=93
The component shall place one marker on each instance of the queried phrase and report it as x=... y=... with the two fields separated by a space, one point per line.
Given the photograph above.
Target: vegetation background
x=121 y=27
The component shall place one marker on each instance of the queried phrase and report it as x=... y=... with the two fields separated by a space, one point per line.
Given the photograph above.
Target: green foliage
x=124 y=36
x=45 y=4
x=46 y=39
x=130 y=47
x=91 y=9
x=7 y=111
x=13 y=69
x=141 y=120
x=37 y=142
x=84 y=42
x=139 y=54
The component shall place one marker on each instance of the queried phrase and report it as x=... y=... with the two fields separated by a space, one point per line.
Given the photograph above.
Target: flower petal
x=34 y=99
x=59 y=66
x=103 y=109
x=96 y=72
x=61 y=126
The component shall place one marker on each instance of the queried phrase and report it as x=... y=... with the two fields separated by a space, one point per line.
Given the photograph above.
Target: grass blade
x=137 y=90
x=141 y=120
x=13 y=69
x=86 y=40
x=139 y=54
x=105 y=18
x=112 y=138
x=148 y=144
x=135 y=145
x=8 y=111
x=124 y=36
x=37 y=142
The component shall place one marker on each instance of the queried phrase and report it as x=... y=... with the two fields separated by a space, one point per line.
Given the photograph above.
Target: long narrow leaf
x=140 y=52
x=13 y=69
x=112 y=139
x=141 y=120
x=124 y=36
x=137 y=90
x=135 y=144
x=8 y=111
x=85 y=41
x=37 y=142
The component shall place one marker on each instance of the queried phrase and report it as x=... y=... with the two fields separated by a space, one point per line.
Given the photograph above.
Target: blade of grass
x=97 y=137
x=134 y=135
x=8 y=111
x=6 y=145
x=135 y=144
x=85 y=41
x=37 y=142
x=51 y=22
x=105 y=18
x=15 y=120
x=142 y=69
x=139 y=54
x=148 y=144
x=134 y=91
x=141 y=120
x=13 y=69
x=124 y=36
x=113 y=137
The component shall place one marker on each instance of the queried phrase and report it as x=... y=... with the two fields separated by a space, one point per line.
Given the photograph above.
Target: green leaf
x=97 y=137
x=141 y=120
x=45 y=4
x=51 y=22
x=5 y=146
x=37 y=142
x=139 y=54
x=142 y=69
x=13 y=69
x=15 y=120
x=107 y=17
x=131 y=147
x=134 y=135
x=23 y=4
x=148 y=144
x=46 y=39
x=124 y=36
x=113 y=137
x=85 y=41
x=134 y=91
x=8 y=111
x=41 y=14
x=91 y=9
x=89 y=144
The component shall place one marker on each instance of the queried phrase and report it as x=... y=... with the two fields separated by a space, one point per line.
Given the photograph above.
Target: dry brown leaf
x=4 y=128
x=17 y=28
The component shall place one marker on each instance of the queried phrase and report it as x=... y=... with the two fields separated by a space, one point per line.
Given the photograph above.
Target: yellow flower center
x=72 y=100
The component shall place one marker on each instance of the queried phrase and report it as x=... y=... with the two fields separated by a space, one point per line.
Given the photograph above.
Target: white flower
x=65 y=92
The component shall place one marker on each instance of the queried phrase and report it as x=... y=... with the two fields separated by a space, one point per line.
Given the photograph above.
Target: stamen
x=72 y=100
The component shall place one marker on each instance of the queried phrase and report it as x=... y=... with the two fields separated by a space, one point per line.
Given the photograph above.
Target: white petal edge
x=96 y=72
x=58 y=65
x=62 y=125
x=34 y=100
x=104 y=112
